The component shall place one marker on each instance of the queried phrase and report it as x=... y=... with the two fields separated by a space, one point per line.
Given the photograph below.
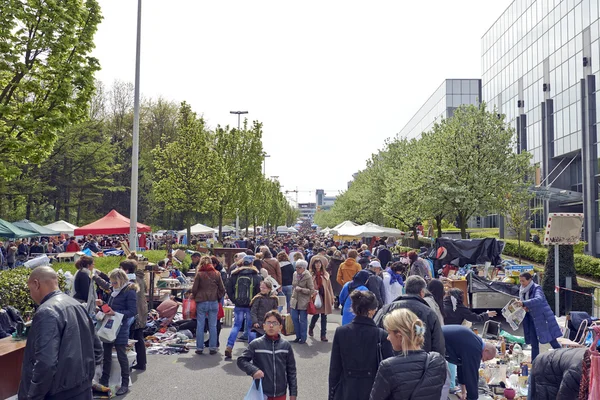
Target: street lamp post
x=237 y=213
x=133 y=242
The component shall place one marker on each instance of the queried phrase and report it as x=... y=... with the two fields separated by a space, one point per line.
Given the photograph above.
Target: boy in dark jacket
x=271 y=359
x=261 y=304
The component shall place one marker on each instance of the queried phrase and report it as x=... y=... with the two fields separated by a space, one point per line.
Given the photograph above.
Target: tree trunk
x=56 y=209
x=463 y=225
x=415 y=233
x=79 y=206
x=519 y=246
x=188 y=225
x=438 y=220
x=221 y=224
x=28 y=207
x=246 y=220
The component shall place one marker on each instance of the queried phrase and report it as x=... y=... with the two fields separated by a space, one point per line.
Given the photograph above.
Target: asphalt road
x=211 y=377
x=204 y=376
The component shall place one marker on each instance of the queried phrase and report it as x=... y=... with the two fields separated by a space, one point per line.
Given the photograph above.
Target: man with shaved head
x=62 y=347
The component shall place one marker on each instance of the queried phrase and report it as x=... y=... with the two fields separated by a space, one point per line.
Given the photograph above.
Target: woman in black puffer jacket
x=413 y=374
x=556 y=375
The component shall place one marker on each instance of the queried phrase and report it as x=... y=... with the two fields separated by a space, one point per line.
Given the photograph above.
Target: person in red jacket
x=73 y=246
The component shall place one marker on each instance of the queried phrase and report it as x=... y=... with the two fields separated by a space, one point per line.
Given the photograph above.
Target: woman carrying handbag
x=324 y=298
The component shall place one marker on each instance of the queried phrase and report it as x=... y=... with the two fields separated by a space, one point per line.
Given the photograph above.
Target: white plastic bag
x=318 y=301
x=110 y=327
x=255 y=393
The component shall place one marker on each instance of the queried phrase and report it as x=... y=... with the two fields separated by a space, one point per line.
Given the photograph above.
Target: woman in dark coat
x=122 y=300
x=414 y=374
x=332 y=268
x=355 y=355
x=539 y=325
x=455 y=311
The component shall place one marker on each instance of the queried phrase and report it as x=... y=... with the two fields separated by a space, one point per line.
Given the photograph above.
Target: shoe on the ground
x=200 y=351
x=139 y=367
x=213 y=352
x=301 y=341
x=310 y=331
x=296 y=340
x=122 y=390
x=228 y=351
x=324 y=339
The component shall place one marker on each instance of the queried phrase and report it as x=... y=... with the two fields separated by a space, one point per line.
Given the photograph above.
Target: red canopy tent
x=112 y=223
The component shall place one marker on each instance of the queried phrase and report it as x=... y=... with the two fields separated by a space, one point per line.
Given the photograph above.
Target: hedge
x=14 y=291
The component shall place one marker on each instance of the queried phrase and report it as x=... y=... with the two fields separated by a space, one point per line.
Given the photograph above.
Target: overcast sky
x=330 y=80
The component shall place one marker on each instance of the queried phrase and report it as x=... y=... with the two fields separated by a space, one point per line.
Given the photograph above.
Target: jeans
x=452 y=369
x=239 y=314
x=313 y=322
x=535 y=346
x=140 y=346
x=202 y=309
x=300 y=320
x=107 y=362
x=287 y=290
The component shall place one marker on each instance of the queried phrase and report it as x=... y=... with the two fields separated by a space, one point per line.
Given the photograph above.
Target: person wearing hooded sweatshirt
x=359 y=282
x=375 y=283
x=348 y=269
x=243 y=285
x=261 y=304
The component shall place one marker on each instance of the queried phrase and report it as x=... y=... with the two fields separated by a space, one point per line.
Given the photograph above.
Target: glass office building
x=540 y=63
x=451 y=94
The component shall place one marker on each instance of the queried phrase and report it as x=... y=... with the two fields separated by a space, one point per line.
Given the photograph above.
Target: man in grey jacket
x=62 y=347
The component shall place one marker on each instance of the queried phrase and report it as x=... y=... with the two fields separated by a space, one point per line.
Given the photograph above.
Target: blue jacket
x=540 y=320
x=346 y=302
x=125 y=303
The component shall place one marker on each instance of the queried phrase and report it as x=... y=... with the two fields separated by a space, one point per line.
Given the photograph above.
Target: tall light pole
x=133 y=242
x=237 y=213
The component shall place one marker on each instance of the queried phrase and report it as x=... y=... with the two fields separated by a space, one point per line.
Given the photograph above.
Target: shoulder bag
x=427 y=361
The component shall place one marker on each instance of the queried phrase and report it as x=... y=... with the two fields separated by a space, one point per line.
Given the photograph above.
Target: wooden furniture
x=11 y=361
x=459 y=284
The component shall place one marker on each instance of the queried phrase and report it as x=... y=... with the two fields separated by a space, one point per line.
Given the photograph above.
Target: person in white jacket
x=393 y=281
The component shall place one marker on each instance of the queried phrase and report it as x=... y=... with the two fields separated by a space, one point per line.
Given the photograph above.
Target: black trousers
x=218 y=332
x=140 y=346
x=86 y=395
x=313 y=322
x=123 y=363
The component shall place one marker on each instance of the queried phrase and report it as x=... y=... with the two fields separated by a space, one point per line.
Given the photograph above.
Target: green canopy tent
x=8 y=230
x=33 y=227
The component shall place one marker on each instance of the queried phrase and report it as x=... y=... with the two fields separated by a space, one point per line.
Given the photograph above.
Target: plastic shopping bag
x=189 y=309
x=255 y=392
x=111 y=324
x=318 y=301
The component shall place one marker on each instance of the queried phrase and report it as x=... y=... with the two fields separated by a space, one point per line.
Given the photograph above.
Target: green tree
x=478 y=165
x=188 y=169
x=241 y=157
x=46 y=75
x=515 y=206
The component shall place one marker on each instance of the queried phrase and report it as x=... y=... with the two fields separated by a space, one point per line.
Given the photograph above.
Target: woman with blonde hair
x=123 y=300
x=414 y=373
x=208 y=289
x=322 y=284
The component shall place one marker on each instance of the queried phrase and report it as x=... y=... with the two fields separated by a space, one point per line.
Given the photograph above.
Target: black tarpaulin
x=469 y=251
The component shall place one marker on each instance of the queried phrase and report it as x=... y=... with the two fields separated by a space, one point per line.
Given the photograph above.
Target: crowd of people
x=401 y=335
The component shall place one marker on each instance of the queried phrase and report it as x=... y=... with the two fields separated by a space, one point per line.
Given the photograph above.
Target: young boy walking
x=271 y=359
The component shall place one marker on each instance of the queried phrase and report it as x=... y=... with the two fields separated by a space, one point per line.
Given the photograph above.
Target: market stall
x=63 y=227
x=32 y=226
x=8 y=230
x=112 y=223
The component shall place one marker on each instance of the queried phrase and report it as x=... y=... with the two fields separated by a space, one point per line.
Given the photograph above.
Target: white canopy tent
x=225 y=228
x=291 y=229
x=325 y=231
x=360 y=231
x=343 y=225
x=62 y=227
x=198 y=229
x=386 y=231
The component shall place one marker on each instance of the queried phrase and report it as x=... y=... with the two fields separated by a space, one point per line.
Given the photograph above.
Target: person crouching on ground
x=262 y=303
x=271 y=358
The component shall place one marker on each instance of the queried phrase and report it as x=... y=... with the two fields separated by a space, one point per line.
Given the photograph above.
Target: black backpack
x=244 y=289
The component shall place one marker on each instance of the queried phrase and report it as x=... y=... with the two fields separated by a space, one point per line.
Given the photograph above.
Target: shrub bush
x=14 y=291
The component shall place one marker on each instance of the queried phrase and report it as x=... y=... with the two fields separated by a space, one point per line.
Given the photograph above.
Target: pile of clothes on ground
x=166 y=331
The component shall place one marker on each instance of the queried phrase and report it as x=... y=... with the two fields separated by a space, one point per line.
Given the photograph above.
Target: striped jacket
x=275 y=358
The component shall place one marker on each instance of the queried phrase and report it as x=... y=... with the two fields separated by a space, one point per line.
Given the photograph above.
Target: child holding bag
x=271 y=358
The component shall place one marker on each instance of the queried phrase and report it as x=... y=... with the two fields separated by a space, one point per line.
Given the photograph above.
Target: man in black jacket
x=62 y=347
x=413 y=300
